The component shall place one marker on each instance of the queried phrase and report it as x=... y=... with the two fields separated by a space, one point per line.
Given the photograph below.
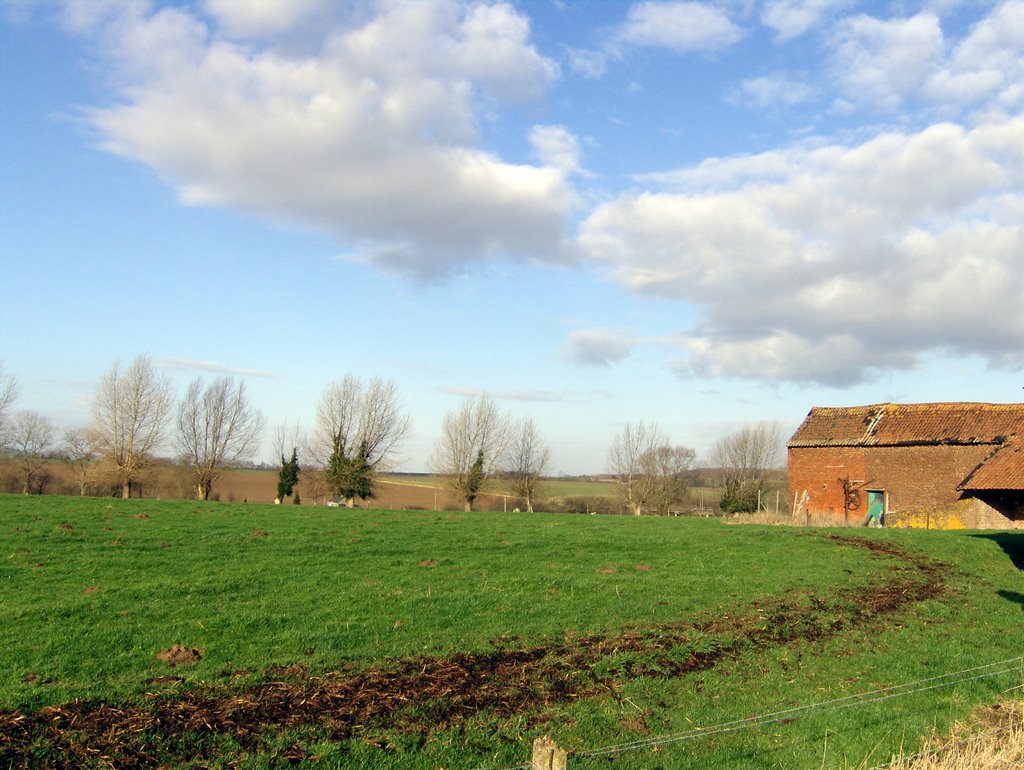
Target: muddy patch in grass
x=294 y=671
x=161 y=681
x=419 y=696
x=180 y=655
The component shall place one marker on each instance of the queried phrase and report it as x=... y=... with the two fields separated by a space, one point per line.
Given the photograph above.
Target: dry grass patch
x=993 y=739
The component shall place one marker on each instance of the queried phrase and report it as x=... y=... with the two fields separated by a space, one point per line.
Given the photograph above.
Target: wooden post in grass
x=547 y=755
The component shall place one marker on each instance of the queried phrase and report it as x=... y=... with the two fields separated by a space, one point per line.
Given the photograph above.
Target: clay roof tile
x=1004 y=469
x=910 y=424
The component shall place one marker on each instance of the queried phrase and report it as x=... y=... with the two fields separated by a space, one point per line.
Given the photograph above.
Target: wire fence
x=997 y=668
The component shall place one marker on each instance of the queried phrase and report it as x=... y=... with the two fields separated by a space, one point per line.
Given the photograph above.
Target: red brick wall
x=819 y=471
x=911 y=476
x=924 y=475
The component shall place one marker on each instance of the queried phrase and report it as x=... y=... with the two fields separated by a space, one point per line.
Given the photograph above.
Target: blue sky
x=699 y=214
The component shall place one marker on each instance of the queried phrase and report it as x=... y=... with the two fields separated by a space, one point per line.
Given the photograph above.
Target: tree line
x=215 y=427
x=360 y=426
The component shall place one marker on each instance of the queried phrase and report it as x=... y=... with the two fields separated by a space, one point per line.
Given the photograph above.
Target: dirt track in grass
x=419 y=696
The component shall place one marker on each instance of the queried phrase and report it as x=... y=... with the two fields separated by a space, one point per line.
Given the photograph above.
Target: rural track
x=418 y=696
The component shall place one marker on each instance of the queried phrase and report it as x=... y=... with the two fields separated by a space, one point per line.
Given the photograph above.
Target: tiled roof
x=1004 y=469
x=910 y=424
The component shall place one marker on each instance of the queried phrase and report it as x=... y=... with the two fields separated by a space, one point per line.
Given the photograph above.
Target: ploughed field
x=180 y=634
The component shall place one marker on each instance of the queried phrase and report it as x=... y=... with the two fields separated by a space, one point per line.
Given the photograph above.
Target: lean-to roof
x=1004 y=469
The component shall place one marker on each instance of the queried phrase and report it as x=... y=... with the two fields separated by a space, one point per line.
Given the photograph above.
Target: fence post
x=547 y=755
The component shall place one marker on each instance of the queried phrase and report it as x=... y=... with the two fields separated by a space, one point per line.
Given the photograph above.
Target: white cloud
x=772 y=91
x=556 y=147
x=884 y=62
x=683 y=27
x=597 y=347
x=837 y=359
x=830 y=263
x=494 y=50
x=889 y=64
x=589 y=64
x=373 y=136
x=988 y=65
x=245 y=18
x=792 y=18
x=679 y=26
x=191 y=364
x=86 y=17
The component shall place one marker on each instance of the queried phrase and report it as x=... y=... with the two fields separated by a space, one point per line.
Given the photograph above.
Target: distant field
x=557 y=489
x=424 y=639
x=414 y=479
x=547 y=487
x=393 y=490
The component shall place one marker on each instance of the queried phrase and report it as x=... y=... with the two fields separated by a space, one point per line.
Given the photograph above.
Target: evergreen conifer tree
x=289 y=476
x=350 y=477
x=475 y=479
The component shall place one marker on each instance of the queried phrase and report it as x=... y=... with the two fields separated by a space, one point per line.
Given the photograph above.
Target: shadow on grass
x=1013 y=596
x=1012 y=544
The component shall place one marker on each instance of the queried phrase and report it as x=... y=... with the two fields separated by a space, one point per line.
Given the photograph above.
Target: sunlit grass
x=93 y=589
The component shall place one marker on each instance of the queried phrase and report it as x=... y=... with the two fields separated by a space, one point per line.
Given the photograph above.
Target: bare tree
x=217 y=428
x=359 y=428
x=528 y=457
x=667 y=466
x=286 y=439
x=742 y=461
x=130 y=413
x=80 y=454
x=628 y=461
x=9 y=388
x=473 y=442
x=31 y=437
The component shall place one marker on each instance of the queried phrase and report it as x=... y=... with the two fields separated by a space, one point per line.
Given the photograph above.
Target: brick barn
x=941 y=466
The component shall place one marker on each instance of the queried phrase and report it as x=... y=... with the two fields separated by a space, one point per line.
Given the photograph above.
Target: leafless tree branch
x=31 y=436
x=217 y=428
x=9 y=389
x=528 y=457
x=627 y=458
x=475 y=427
x=80 y=454
x=130 y=413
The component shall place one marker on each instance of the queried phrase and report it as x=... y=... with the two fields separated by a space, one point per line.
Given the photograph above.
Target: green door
x=876 y=508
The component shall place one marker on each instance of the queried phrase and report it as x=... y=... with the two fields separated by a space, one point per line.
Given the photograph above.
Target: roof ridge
x=954 y=405
x=892 y=409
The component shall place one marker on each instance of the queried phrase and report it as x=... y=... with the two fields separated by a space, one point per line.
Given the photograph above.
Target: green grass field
x=332 y=637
